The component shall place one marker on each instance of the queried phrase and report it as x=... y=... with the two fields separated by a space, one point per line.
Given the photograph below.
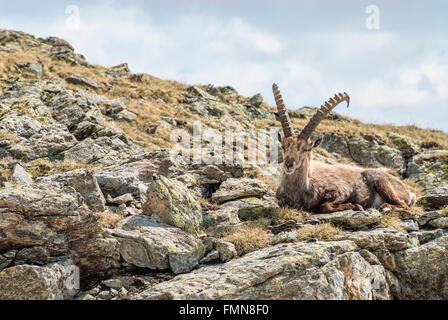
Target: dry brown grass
x=248 y=237
x=391 y=220
x=39 y=167
x=414 y=187
x=6 y=135
x=207 y=205
x=417 y=210
x=44 y=167
x=5 y=171
x=269 y=180
x=284 y=214
x=440 y=156
x=70 y=165
x=322 y=231
x=108 y=219
x=151 y=98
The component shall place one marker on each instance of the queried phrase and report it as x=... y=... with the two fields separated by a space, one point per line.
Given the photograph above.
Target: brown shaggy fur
x=320 y=187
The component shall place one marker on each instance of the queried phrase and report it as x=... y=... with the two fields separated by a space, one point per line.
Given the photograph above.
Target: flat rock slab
x=85 y=183
x=42 y=199
x=441 y=223
x=127 y=178
x=437 y=198
x=350 y=218
x=428 y=216
x=381 y=239
x=46 y=220
x=254 y=208
x=233 y=189
x=173 y=203
x=148 y=244
x=82 y=80
x=321 y=270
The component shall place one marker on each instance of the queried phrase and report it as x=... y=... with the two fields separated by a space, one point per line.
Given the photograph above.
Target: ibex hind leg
x=387 y=192
x=328 y=207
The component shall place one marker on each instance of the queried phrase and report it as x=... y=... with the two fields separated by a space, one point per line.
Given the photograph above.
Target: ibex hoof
x=359 y=207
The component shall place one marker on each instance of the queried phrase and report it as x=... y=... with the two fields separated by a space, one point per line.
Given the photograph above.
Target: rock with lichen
x=172 y=202
x=149 y=244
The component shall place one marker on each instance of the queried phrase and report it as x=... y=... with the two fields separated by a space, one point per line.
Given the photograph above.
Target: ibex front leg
x=328 y=207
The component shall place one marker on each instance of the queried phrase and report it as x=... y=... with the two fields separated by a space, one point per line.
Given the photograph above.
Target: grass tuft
x=248 y=237
x=285 y=213
x=445 y=211
x=392 y=220
x=108 y=219
x=322 y=231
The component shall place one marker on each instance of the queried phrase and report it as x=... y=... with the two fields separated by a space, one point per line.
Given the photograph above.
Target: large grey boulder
x=436 y=198
x=84 y=182
x=423 y=271
x=105 y=151
x=321 y=270
x=366 y=152
x=47 y=220
x=49 y=141
x=441 y=222
x=20 y=124
x=148 y=244
x=172 y=202
x=405 y=144
x=127 y=178
x=233 y=189
x=55 y=281
x=350 y=218
x=426 y=217
x=381 y=239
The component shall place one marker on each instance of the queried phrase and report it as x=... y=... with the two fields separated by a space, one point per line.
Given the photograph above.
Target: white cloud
x=410 y=77
x=437 y=75
x=262 y=41
x=379 y=93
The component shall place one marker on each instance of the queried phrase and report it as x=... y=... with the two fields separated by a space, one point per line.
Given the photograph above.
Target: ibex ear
x=317 y=142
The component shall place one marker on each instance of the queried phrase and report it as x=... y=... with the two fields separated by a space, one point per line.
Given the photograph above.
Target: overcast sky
x=397 y=73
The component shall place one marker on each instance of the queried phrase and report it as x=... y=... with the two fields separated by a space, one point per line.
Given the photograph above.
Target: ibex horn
x=282 y=113
x=322 y=113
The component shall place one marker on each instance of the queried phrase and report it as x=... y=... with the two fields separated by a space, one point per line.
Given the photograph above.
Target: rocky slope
x=88 y=190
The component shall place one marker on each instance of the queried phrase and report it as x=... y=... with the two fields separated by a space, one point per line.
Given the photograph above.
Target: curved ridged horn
x=282 y=113
x=322 y=113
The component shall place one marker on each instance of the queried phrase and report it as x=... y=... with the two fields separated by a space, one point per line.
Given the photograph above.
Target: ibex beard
x=320 y=187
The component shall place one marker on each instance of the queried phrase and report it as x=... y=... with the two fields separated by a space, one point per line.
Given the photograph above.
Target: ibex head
x=297 y=147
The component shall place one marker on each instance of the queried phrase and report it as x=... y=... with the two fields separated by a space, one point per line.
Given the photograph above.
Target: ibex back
x=315 y=186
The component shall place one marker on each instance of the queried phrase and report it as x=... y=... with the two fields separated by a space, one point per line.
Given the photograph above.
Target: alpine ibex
x=320 y=187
